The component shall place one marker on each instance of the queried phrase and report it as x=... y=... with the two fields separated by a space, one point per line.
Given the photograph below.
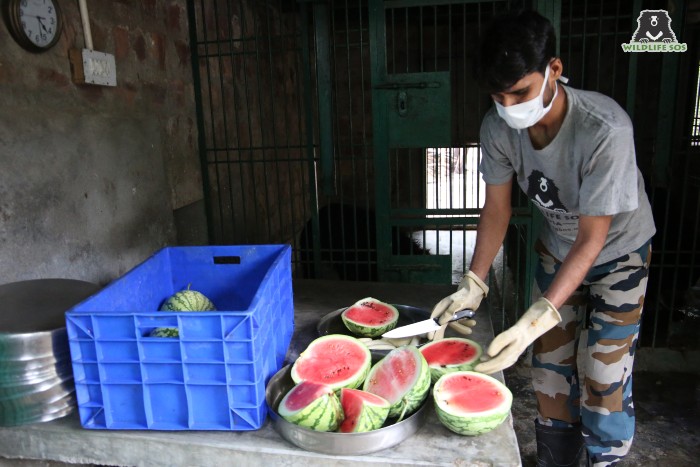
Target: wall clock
x=35 y=24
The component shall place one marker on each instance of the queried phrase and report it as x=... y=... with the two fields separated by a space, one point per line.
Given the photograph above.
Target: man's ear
x=556 y=69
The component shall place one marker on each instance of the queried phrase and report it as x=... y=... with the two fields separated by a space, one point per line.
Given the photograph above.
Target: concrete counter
x=65 y=440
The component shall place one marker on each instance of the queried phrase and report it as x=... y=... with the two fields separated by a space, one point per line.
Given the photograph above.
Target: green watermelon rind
x=412 y=398
x=352 y=382
x=436 y=371
x=365 y=330
x=165 y=332
x=472 y=425
x=372 y=416
x=457 y=425
x=323 y=414
x=188 y=300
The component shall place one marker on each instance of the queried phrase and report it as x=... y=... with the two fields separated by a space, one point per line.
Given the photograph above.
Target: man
x=572 y=153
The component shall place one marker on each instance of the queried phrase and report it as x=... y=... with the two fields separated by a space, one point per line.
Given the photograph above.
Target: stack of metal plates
x=36 y=376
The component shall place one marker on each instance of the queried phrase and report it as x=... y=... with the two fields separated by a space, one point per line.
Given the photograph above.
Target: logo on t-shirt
x=544 y=192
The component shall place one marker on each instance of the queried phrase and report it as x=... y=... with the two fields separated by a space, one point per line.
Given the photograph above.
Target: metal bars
x=252 y=107
x=286 y=125
x=655 y=90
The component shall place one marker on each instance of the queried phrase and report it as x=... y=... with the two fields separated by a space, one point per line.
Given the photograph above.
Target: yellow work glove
x=470 y=291
x=511 y=343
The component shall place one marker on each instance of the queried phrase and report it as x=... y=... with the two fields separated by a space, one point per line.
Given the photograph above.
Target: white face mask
x=526 y=114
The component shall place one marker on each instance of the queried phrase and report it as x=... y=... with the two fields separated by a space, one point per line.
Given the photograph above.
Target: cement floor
x=668 y=418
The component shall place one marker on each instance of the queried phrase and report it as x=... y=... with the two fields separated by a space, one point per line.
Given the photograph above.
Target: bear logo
x=654 y=26
x=544 y=192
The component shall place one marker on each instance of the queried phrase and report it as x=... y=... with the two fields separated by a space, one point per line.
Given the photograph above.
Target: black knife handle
x=462 y=314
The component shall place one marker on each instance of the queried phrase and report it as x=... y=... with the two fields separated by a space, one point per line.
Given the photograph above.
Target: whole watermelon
x=165 y=332
x=188 y=300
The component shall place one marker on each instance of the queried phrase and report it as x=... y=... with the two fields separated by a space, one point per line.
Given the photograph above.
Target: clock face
x=39 y=20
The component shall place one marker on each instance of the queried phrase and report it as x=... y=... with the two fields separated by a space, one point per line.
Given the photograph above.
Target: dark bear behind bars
x=348 y=244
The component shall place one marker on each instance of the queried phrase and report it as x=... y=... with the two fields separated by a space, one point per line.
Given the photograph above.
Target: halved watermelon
x=471 y=403
x=312 y=405
x=370 y=317
x=363 y=411
x=451 y=354
x=337 y=360
x=402 y=377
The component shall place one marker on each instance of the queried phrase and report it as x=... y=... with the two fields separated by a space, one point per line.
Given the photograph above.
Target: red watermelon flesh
x=472 y=394
x=304 y=394
x=363 y=410
x=471 y=403
x=312 y=405
x=401 y=370
x=370 y=317
x=402 y=377
x=449 y=352
x=370 y=314
x=335 y=360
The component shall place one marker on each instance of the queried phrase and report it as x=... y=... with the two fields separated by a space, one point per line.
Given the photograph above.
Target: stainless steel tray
x=342 y=444
x=41 y=303
x=36 y=375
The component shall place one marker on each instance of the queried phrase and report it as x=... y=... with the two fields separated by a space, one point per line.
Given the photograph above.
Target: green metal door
x=410 y=110
x=422 y=54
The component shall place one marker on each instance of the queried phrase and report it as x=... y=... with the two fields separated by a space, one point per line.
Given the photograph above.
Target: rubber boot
x=558 y=447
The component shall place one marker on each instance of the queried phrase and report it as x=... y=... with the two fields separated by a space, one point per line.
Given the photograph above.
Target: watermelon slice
x=471 y=403
x=402 y=377
x=363 y=411
x=312 y=405
x=337 y=360
x=370 y=317
x=451 y=354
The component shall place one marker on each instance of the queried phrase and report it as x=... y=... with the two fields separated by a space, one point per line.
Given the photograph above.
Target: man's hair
x=512 y=46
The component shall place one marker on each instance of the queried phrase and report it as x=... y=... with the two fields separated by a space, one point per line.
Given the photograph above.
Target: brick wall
x=90 y=177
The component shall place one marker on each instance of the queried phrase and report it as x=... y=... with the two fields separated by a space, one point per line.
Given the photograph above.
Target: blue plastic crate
x=213 y=376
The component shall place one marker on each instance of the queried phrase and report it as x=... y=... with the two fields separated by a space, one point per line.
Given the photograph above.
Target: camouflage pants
x=582 y=368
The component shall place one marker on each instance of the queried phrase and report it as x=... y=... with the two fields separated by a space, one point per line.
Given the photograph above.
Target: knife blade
x=422 y=327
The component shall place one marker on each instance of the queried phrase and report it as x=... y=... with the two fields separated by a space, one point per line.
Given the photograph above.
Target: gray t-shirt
x=589 y=168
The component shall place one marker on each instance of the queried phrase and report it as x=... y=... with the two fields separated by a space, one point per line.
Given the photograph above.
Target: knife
x=422 y=327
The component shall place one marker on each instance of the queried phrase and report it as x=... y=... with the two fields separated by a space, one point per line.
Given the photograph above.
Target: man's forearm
x=489 y=237
x=586 y=248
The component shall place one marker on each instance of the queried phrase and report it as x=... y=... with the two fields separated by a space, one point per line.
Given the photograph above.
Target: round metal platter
x=341 y=444
x=332 y=323
x=36 y=377
x=41 y=303
x=40 y=412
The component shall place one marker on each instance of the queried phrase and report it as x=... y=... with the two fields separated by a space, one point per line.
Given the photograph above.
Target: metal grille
x=655 y=93
x=254 y=119
x=285 y=112
x=437 y=191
